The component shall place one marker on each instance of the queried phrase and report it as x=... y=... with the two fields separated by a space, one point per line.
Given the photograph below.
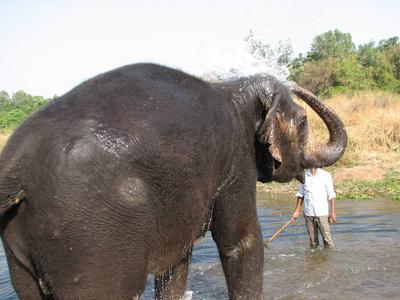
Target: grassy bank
x=370 y=167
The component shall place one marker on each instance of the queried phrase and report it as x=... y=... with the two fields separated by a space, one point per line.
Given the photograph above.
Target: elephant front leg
x=238 y=236
x=172 y=284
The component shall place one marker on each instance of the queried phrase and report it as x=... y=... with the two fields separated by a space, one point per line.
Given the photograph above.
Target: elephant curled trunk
x=317 y=154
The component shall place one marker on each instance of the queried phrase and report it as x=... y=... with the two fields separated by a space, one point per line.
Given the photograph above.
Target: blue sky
x=48 y=47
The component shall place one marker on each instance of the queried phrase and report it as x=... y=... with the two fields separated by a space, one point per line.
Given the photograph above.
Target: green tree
x=366 y=55
x=315 y=76
x=383 y=62
x=351 y=75
x=4 y=97
x=333 y=65
x=331 y=44
x=21 y=99
x=391 y=50
x=15 y=109
x=383 y=74
x=321 y=69
x=13 y=118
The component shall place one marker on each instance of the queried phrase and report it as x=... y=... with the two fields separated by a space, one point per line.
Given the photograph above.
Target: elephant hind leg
x=22 y=271
x=25 y=284
x=172 y=284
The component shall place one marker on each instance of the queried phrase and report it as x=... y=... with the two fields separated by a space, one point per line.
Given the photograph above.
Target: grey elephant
x=117 y=179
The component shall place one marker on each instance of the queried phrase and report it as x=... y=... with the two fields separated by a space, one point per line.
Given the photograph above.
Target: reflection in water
x=364 y=263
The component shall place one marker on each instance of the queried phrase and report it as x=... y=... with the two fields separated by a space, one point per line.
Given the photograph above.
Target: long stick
x=284 y=226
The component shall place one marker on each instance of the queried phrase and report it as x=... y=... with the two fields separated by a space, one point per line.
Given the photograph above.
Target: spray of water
x=249 y=56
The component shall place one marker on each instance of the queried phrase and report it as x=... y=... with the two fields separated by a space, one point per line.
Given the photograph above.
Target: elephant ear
x=269 y=129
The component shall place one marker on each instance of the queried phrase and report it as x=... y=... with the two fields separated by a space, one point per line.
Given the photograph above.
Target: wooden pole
x=284 y=226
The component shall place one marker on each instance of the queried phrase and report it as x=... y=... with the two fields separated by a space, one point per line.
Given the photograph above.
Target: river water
x=365 y=263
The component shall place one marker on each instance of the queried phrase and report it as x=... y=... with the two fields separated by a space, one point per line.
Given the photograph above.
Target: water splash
x=249 y=56
x=188 y=295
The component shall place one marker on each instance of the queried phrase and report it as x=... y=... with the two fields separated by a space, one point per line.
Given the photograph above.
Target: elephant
x=116 y=179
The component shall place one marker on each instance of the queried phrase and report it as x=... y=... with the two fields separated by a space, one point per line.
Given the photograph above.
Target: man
x=318 y=196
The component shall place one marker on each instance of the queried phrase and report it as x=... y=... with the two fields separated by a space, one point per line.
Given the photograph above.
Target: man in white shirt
x=318 y=196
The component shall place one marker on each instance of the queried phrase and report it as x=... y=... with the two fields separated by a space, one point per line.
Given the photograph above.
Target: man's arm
x=298 y=207
x=332 y=198
x=332 y=216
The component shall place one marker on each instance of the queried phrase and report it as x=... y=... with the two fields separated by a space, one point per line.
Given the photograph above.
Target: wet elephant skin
x=116 y=180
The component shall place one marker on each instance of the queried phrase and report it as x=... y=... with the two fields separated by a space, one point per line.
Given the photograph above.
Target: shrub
x=12 y=118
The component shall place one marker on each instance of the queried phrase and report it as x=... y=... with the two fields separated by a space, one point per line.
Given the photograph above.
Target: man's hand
x=333 y=218
x=295 y=215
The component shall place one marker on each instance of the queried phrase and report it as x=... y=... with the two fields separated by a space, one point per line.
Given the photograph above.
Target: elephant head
x=284 y=147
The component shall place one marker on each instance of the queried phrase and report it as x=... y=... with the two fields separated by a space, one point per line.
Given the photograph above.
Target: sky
x=49 y=47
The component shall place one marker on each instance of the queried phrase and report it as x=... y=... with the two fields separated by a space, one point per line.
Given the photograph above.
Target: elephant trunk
x=315 y=153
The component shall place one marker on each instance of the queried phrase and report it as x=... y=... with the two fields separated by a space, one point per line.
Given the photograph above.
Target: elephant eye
x=303 y=125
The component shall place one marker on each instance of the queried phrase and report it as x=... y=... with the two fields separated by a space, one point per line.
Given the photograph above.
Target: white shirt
x=315 y=191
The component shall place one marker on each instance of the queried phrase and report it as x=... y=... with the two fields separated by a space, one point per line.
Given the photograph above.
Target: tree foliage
x=13 y=110
x=334 y=65
x=331 y=44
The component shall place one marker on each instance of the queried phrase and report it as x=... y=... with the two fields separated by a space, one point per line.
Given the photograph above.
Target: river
x=365 y=263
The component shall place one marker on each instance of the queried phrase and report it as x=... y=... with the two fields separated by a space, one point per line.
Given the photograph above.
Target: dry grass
x=372 y=122
x=4 y=136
